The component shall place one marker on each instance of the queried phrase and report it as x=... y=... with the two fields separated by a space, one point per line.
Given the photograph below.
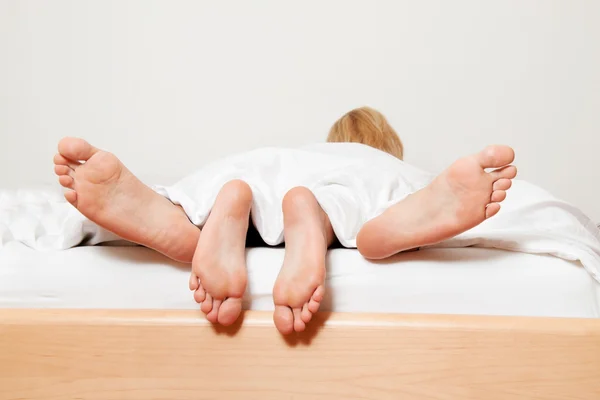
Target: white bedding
x=455 y=281
x=352 y=182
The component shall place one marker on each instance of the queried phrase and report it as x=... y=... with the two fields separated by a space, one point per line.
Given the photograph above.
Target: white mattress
x=457 y=281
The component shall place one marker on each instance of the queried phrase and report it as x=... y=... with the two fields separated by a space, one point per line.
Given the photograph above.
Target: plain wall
x=170 y=85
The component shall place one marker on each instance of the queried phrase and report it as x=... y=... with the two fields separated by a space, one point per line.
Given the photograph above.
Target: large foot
x=107 y=193
x=219 y=267
x=299 y=288
x=459 y=199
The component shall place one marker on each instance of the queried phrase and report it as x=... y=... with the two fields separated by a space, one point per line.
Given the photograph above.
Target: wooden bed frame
x=150 y=354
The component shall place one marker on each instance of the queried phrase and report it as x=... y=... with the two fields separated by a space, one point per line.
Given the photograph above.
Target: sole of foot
x=299 y=288
x=219 y=274
x=460 y=198
x=107 y=193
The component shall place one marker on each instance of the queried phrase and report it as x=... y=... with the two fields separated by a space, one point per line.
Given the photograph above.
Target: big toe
x=229 y=311
x=76 y=149
x=284 y=319
x=496 y=156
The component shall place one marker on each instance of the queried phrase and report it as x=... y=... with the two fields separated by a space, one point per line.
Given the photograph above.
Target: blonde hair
x=367 y=126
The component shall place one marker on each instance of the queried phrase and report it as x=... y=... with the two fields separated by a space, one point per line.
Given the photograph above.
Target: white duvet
x=353 y=183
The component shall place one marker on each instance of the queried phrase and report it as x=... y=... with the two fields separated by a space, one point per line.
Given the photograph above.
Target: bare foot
x=460 y=198
x=299 y=288
x=107 y=193
x=219 y=274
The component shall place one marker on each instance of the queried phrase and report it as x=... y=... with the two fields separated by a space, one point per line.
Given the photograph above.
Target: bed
x=169 y=86
x=107 y=322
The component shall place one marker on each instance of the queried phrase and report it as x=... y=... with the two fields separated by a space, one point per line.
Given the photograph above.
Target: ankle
x=179 y=241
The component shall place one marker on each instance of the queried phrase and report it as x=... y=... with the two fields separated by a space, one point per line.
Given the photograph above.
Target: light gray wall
x=169 y=85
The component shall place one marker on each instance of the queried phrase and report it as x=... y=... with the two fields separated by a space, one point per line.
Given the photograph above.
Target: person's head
x=367 y=126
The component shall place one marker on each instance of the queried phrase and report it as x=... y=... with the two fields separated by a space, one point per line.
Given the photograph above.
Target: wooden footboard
x=133 y=354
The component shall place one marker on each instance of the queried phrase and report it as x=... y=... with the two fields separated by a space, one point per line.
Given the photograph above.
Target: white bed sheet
x=457 y=281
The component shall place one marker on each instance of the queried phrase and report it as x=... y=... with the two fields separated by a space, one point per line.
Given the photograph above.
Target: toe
x=319 y=293
x=306 y=314
x=200 y=294
x=313 y=306
x=60 y=160
x=76 y=149
x=207 y=304
x=230 y=311
x=496 y=156
x=66 y=181
x=492 y=209
x=284 y=320
x=194 y=283
x=498 y=196
x=213 y=315
x=508 y=172
x=62 y=170
x=502 y=184
x=71 y=197
x=316 y=299
x=299 y=325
